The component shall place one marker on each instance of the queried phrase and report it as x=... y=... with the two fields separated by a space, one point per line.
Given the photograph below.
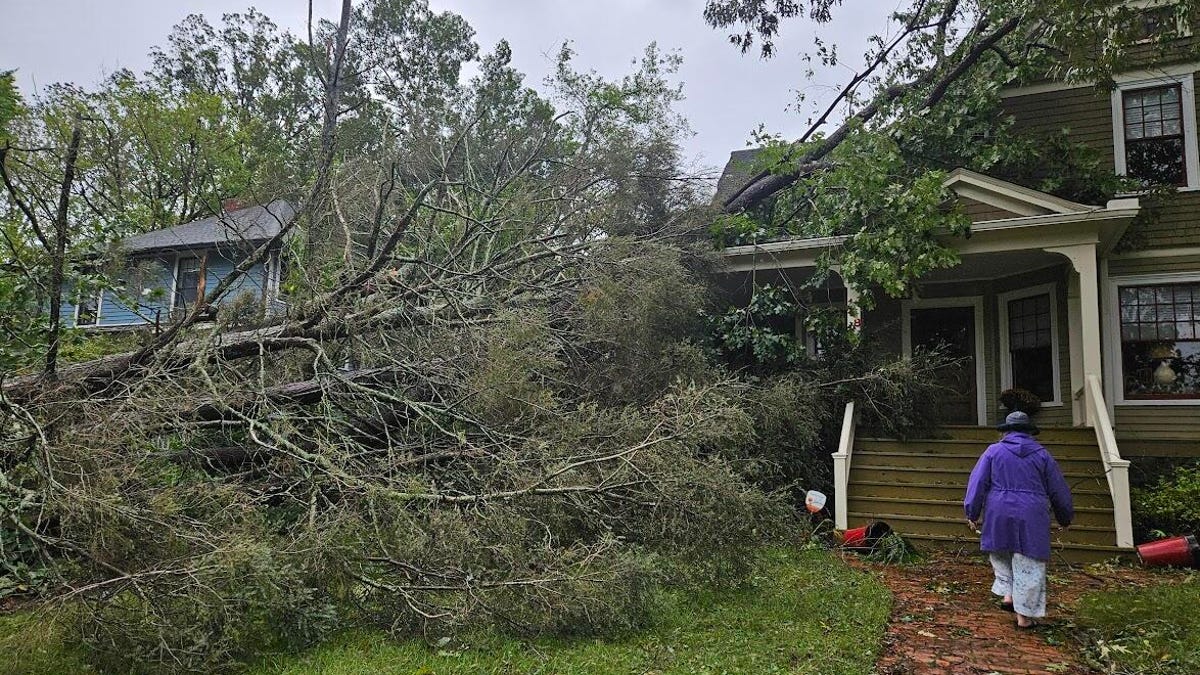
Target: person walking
x=1014 y=486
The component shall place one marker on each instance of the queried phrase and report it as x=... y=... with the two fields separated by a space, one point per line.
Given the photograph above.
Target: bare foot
x=1025 y=622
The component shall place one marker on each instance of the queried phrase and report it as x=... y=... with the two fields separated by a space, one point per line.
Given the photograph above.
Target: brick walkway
x=946 y=620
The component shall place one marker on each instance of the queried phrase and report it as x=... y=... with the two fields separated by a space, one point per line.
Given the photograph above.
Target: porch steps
x=917 y=487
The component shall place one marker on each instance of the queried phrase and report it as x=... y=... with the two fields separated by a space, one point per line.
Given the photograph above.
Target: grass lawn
x=804 y=612
x=1149 y=630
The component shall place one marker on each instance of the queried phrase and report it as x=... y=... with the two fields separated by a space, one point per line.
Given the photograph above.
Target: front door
x=952 y=329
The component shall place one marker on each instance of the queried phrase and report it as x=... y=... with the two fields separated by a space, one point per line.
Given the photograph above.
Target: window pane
x=1158 y=161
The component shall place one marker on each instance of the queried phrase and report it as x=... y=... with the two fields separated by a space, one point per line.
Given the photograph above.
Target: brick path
x=946 y=620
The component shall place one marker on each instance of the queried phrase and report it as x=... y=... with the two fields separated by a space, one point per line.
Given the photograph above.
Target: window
x=1154 y=19
x=1154 y=131
x=187 y=282
x=87 y=309
x=1154 y=142
x=1029 y=342
x=1160 y=341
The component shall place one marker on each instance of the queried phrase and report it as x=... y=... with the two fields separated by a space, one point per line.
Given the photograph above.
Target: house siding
x=1086 y=115
x=115 y=312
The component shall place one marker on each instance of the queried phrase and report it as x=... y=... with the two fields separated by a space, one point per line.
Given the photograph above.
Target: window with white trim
x=1154 y=131
x=187 y=282
x=1029 y=342
x=1160 y=341
x=87 y=309
x=1154 y=142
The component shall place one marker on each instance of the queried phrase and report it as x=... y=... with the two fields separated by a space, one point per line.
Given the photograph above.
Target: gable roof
x=1010 y=197
x=250 y=225
x=737 y=173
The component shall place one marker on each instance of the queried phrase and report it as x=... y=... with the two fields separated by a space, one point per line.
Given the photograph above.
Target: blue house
x=165 y=271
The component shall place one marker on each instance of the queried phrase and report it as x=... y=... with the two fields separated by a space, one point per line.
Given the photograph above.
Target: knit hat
x=1019 y=421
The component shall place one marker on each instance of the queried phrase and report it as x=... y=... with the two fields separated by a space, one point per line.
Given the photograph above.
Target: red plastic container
x=865 y=536
x=1174 y=552
x=855 y=537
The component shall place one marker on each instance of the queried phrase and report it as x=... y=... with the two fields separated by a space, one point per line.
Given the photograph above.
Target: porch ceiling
x=988 y=266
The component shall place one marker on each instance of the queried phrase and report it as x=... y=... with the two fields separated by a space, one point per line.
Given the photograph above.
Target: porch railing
x=1116 y=469
x=841 y=468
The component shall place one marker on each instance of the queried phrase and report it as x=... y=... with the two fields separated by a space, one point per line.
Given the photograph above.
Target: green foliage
x=10 y=103
x=79 y=346
x=806 y=611
x=761 y=335
x=1172 y=505
x=894 y=549
x=1153 y=630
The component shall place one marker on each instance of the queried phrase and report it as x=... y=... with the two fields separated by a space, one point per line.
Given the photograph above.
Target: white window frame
x=1187 y=95
x=99 y=310
x=175 y=275
x=1006 y=378
x=1116 y=364
x=973 y=301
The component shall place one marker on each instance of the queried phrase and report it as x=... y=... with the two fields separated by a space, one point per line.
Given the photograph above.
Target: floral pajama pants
x=1023 y=578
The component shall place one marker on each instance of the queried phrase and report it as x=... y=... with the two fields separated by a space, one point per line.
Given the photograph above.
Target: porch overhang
x=1039 y=221
x=1102 y=227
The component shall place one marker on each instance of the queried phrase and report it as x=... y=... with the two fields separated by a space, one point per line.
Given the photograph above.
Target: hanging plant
x=1020 y=399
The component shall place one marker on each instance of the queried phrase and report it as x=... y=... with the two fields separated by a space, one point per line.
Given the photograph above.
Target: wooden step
x=932 y=525
x=957 y=477
x=962 y=462
x=939 y=447
x=913 y=506
x=1083 y=497
x=1075 y=554
x=990 y=435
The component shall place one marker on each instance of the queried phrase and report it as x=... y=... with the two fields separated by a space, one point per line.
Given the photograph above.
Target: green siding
x=1085 y=113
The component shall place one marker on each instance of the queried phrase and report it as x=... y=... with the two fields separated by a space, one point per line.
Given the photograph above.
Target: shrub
x=1172 y=505
x=1017 y=399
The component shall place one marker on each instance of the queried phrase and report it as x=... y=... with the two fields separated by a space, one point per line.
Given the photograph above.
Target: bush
x=1172 y=505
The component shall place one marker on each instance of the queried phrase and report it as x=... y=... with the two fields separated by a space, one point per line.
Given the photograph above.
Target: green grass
x=804 y=612
x=1151 y=630
x=30 y=647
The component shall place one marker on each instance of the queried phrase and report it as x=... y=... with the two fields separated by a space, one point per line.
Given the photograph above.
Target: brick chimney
x=234 y=204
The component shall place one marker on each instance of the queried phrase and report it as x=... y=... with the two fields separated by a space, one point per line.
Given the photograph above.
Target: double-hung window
x=1154 y=131
x=1029 y=341
x=1154 y=139
x=187 y=282
x=1160 y=340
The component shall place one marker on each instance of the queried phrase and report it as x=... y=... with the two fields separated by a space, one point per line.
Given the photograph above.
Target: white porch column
x=1084 y=318
x=1075 y=347
x=853 y=313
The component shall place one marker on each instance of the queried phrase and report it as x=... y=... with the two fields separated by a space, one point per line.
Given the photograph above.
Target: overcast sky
x=728 y=94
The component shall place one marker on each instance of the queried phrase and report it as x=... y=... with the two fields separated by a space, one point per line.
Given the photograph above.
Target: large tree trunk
x=58 y=257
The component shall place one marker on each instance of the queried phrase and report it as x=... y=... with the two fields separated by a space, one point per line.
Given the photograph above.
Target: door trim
x=975 y=302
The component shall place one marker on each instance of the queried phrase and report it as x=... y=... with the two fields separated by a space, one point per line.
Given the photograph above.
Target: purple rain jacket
x=1015 y=484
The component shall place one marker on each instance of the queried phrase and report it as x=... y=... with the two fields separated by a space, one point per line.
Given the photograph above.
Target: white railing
x=841 y=468
x=1116 y=470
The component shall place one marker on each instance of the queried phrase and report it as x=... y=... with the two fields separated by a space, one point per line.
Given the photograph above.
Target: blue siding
x=155 y=297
